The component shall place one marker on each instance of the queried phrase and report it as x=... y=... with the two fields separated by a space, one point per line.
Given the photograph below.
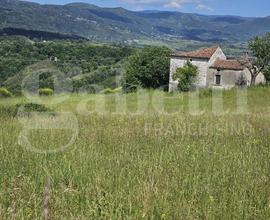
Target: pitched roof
x=227 y=64
x=205 y=53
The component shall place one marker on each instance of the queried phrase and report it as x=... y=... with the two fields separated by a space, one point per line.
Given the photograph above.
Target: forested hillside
x=121 y=25
x=82 y=62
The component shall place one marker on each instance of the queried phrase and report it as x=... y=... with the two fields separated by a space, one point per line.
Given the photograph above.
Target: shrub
x=186 y=76
x=148 y=68
x=204 y=93
x=241 y=81
x=33 y=107
x=8 y=111
x=26 y=109
x=23 y=109
x=266 y=73
x=112 y=91
x=45 y=92
x=117 y=90
x=5 y=93
x=107 y=91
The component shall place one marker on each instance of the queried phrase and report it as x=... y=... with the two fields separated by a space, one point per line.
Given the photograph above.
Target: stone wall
x=202 y=64
x=177 y=62
x=229 y=78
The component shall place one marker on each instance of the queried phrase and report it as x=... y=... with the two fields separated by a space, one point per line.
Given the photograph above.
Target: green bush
x=45 y=92
x=107 y=91
x=148 y=68
x=5 y=93
x=23 y=109
x=112 y=91
x=34 y=107
x=186 y=76
x=266 y=73
x=8 y=110
x=117 y=90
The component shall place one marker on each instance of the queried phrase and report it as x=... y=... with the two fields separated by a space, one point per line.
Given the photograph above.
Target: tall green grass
x=141 y=166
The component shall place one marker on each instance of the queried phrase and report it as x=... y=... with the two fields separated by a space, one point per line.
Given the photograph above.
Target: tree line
x=86 y=64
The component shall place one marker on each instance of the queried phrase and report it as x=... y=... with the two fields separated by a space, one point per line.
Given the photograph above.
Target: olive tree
x=260 y=47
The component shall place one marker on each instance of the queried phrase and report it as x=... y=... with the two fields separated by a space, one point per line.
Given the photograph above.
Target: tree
x=82 y=62
x=186 y=76
x=241 y=81
x=260 y=47
x=148 y=67
x=266 y=73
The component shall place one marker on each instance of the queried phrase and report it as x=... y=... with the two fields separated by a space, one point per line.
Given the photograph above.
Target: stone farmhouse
x=215 y=70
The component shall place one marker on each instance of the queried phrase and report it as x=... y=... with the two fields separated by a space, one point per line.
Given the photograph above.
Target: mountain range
x=121 y=25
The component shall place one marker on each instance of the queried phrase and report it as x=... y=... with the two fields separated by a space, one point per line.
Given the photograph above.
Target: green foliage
x=45 y=92
x=142 y=166
x=118 y=90
x=33 y=107
x=148 y=68
x=186 y=76
x=204 y=93
x=260 y=47
x=266 y=73
x=81 y=62
x=8 y=110
x=107 y=91
x=5 y=93
x=112 y=91
x=23 y=109
x=241 y=81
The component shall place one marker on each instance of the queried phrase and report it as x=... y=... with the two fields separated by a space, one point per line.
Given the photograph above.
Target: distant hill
x=38 y=35
x=121 y=25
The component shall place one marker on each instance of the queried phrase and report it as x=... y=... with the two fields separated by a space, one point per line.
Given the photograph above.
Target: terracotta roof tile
x=227 y=64
x=205 y=53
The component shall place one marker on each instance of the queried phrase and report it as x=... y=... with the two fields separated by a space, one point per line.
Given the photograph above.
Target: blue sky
x=249 y=8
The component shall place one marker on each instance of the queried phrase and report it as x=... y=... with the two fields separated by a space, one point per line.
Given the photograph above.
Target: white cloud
x=202 y=7
x=175 y=4
x=172 y=4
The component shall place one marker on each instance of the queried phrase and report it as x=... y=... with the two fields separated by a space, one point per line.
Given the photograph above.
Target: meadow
x=155 y=161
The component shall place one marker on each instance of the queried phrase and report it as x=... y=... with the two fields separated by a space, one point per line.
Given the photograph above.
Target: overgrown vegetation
x=148 y=68
x=146 y=156
x=260 y=47
x=112 y=91
x=81 y=62
x=4 y=93
x=23 y=109
x=154 y=166
x=45 y=92
x=186 y=76
x=266 y=73
x=88 y=67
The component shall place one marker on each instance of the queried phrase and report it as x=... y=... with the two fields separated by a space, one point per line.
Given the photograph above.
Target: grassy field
x=125 y=164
